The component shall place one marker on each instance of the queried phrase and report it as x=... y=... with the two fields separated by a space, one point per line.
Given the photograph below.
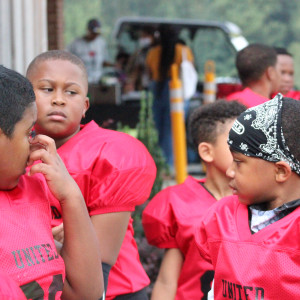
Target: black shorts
x=139 y=295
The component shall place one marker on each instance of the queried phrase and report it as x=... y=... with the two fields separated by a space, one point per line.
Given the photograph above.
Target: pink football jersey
x=28 y=254
x=247 y=97
x=169 y=221
x=115 y=172
x=260 y=266
x=9 y=289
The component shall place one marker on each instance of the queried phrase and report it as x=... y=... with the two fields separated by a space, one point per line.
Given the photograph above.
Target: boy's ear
x=283 y=171
x=205 y=151
x=271 y=73
x=86 y=106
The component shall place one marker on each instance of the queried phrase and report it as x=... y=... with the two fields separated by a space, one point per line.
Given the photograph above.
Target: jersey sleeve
x=201 y=241
x=209 y=226
x=159 y=222
x=205 y=229
x=121 y=178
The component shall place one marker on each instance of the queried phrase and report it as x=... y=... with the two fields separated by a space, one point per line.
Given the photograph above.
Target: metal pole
x=209 y=94
x=178 y=126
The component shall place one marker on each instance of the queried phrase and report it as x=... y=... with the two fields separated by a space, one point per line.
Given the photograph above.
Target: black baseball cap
x=94 y=25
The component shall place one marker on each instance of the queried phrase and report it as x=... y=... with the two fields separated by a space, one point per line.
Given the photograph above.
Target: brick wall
x=55 y=24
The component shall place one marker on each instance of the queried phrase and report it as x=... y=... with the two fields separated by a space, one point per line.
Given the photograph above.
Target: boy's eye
x=71 y=92
x=237 y=161
x=47 y=89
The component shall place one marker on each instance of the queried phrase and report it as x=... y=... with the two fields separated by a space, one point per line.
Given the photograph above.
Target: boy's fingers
x=39 y=168
x=38 y=154
x=58 y=233
x=57 y=229
x=43 y=142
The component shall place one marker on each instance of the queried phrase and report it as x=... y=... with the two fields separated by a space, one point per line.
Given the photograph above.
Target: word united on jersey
x=35 y=255
x=237 y=291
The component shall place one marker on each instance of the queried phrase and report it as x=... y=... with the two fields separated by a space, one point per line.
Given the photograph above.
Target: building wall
x=23 y=32
x=55 y=24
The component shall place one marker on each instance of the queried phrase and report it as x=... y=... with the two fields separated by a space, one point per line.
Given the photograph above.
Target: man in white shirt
x=92 y=49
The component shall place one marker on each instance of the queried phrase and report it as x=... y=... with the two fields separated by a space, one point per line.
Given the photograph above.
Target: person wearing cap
x=92 y=49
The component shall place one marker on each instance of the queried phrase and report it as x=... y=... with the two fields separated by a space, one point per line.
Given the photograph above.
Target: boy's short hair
x=291 y=124
x=16 y=94
x=253 y=61
x=205 y=121
x=282 y=51
x=57 y=55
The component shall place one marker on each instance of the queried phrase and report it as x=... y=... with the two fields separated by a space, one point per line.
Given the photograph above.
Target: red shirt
x=247 y=97
x=115 y=172
x=291 y=94
x=264 y=265
x=28 y=254
x=169 y=221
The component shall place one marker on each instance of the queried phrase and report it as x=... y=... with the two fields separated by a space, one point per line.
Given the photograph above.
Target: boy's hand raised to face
x=59 y=181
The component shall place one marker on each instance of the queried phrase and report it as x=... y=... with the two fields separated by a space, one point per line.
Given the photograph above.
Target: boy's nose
x=230 y=172
x=58 y=99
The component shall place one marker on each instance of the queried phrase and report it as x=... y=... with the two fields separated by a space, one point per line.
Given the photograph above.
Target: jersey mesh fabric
x=169 y=221
x=9 y=289
x=264 y=265
x=115 y=172
x=28 y=254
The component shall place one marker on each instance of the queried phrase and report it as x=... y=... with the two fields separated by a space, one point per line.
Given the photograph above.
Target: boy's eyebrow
x=51 y=81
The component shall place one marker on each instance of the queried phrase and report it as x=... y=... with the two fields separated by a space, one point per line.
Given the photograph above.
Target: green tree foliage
x=148 y=135
x=274 y=22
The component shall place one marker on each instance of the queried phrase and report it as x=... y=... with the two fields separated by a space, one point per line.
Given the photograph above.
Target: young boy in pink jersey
x=28 y=255
x=252 y=238
x=170 y=216
x=114 y=171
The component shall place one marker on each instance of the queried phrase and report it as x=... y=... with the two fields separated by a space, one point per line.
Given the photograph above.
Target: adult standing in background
x=92 y=49
x=258 y=71
x=285 y=63
x=159 y=60
x=136 y=69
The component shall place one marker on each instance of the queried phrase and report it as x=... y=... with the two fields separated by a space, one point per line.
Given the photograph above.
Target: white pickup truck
x=209 y=40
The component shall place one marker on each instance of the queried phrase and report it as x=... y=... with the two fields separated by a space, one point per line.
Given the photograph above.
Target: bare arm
x=165 y=286
x=110 y=229
x=80 y=249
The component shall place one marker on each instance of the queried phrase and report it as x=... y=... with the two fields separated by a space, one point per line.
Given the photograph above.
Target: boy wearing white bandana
x=252 y=238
